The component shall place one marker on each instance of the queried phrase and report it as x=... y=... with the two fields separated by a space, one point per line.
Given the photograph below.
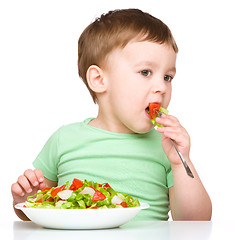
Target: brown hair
x=115 y=29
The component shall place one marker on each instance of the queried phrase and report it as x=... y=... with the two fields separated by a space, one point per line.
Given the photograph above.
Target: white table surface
x=19 y=230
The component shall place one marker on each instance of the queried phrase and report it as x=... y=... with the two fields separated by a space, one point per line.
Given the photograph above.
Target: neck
x=106 y=120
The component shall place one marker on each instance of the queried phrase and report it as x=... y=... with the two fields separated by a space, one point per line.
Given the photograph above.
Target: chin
x=142 y=130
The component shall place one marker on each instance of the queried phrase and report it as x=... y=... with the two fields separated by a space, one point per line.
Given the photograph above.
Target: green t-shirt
x=131 y=163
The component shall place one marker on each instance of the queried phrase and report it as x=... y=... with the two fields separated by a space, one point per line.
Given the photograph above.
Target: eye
x=168 y=78
x=145 y=73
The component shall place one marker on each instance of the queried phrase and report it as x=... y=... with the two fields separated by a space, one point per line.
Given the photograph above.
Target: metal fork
x=188 y=171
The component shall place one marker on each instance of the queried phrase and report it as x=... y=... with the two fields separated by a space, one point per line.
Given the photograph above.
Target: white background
x=40 y=89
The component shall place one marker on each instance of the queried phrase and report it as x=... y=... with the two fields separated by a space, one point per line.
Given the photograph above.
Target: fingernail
x=35 y=183
x=41 y=179
x=22 y=194
x=29 y=190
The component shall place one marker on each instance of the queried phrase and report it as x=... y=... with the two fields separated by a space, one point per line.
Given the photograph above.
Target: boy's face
x=136 y=75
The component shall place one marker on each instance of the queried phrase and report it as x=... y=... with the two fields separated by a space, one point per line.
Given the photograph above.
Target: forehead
x=148 y=49
x=145 y=51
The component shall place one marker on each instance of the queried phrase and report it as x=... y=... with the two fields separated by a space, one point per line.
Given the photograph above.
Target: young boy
x=127 y=59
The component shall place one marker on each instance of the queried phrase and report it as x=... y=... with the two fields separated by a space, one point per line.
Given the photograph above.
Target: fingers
x=35 y=177
x=170 y=133
x=168 y=121
x=39 y=174
x=29 y=178
x=172 y=128
x=15 y=188
x=26 y=182
x=40 y=178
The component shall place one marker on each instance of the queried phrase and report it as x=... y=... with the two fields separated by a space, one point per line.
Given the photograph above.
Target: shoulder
x=71 y=127
x=72 y=131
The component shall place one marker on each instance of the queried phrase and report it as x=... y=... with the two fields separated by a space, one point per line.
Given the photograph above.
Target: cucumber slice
x=162 y=110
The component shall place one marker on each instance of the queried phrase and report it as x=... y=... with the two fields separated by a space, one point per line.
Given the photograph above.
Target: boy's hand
x=27 y=185
x=172 y=129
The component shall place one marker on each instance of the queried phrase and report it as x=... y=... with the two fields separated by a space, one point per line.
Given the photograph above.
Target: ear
x=95 y=79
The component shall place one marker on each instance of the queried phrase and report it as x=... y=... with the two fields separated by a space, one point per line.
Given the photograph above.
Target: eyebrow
x=145 y=63
x=173 y=69
x=150 y=63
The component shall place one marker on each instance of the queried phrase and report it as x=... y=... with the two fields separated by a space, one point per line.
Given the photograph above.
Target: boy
x=127 y=59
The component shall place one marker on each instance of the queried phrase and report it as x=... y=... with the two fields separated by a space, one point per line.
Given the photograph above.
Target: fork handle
x=188 y=170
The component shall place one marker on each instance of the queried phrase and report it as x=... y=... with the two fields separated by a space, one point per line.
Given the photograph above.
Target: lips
x=147 y=112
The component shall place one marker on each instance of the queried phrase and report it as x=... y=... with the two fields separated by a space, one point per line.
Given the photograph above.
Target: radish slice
x=65 y=194
x=116 y=200
x=62 y=201
x=88 y=190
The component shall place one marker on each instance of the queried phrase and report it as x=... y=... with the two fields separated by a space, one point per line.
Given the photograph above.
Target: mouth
x=147 y=113
x=147 y=109
x=152 y=115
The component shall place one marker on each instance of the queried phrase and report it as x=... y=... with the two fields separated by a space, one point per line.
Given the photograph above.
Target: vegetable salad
x=81 y=195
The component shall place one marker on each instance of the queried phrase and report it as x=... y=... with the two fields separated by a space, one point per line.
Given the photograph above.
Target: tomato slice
x=106 y=185
x=152 y=109
x=124 y=204
x=39 y=201
x=50 y=200
x=76 y=184
x=55 y=191
x=45 y=189
x=98 y=196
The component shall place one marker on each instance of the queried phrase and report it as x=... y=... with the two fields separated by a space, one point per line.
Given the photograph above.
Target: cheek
x=134 y=93
x=127 y=90
x=167 y=98
x=122 y=88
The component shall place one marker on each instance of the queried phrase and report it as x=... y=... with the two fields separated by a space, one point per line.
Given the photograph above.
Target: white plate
x=81 y=218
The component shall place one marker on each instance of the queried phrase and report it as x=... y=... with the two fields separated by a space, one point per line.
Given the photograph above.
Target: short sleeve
x=47 y=160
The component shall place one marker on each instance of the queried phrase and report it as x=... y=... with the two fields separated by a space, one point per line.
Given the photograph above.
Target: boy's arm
x=27 y=185
x=188 y=197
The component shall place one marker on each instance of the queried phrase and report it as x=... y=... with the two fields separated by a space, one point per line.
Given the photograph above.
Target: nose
x=160 y=86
